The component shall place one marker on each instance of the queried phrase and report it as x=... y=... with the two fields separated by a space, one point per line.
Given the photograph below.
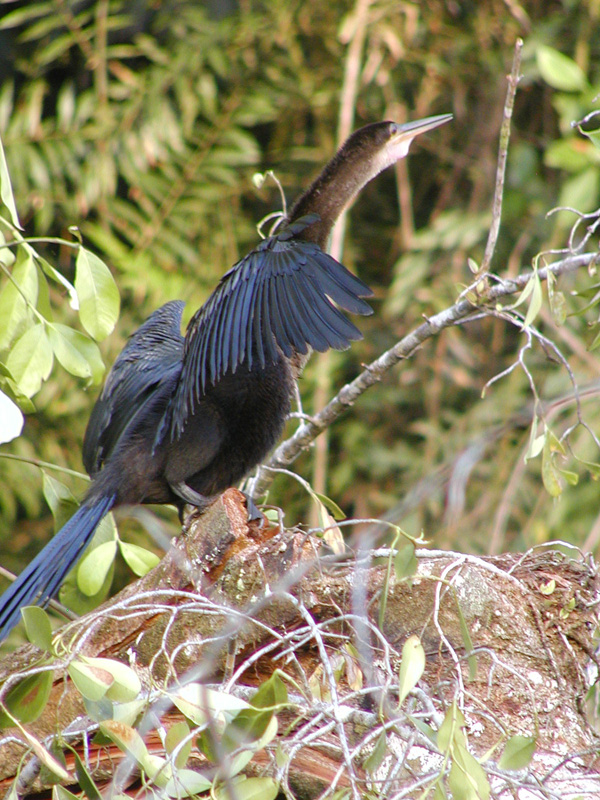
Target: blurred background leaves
x=143 y=123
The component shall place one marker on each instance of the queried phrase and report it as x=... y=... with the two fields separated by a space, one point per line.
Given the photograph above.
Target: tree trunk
x=508 y=643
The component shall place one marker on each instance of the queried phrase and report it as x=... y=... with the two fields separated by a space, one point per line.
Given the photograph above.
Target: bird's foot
x=253 y=512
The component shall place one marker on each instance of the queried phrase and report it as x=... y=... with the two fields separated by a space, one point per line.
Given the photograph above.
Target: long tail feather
x=42 y=578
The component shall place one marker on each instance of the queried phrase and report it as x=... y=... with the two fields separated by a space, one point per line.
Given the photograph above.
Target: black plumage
x=182 y=418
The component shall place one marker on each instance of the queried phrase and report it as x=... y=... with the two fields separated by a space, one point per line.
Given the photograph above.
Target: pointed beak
x=401 y=136
x=409 y=130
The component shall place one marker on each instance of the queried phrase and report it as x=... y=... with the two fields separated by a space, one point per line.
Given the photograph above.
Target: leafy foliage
x=143 y=124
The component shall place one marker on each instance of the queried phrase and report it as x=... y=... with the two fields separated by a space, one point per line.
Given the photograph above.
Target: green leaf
x=579 y=192
x=27 y=699
x=129 y=741
x=560 y=71
x=376 y=756
x=333 y=508
x=248 y=789
x=94 y=566
x=518 y=752
x=55 y=275
x=92 y=682
x=85 y=780
x=60 y=793
x=405 y=561
x=137 y=558
x=30 y=360
x=61 y=502
x=15 y=302
x=549 y=471
x=98 y=295
x=548 y=588
x=186 y=783
x=198 y=703
x=175 y=735
x=411 y=666
x=125 y=685
x=467 y=779
x=271 y=694
x=535 y=303
x=37 y=627
x=468 y=642
x=79 y=355
x=6 y=192
x=536 y=443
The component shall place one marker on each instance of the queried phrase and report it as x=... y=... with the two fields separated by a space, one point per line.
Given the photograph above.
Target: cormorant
x=180 y=419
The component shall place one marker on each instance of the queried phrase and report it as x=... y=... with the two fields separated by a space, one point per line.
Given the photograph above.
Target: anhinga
x=180 y=419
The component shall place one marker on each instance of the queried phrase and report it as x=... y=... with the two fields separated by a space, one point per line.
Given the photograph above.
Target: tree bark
x=508 y=642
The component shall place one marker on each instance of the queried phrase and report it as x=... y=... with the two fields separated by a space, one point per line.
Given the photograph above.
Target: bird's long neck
x=336 y=187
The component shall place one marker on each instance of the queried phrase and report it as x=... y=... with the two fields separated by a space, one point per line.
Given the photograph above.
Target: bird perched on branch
x=182 y=418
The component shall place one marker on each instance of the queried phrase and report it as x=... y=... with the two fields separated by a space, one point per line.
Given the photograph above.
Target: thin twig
x=289 y=450
x=513 y=80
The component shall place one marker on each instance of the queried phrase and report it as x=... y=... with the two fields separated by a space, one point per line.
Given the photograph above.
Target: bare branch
x=306 y=433
x=513 y=80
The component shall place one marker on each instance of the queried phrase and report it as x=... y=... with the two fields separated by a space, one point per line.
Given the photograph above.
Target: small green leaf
x=187 y=783
x=571 y=477
x=61 y=502
x=405 y=561
x=549 y=471
x=333 y=508
x=91 y=681
x=467 y=779
x=535 y=303
x=518 y=752
x=175 y=735
x=94 y=566
x=249 y=789
x=60 y=793
x=468 y=642
x=30 y=360
x=199 y=703
x=411 y=666
x=85 y=780
x=16 y=300
x=548 y=587
x=71 y=595
x=376 y=756
x=271 y=694
x=125 y=685
x=27 y=699
x=56 y=276
x=98 y=295
x=37 y=627
x=558 y=307
x=79 y=355
x=560 y=71
x=137 y=558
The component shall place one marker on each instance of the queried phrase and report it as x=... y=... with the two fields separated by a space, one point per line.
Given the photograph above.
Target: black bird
x=181 y=419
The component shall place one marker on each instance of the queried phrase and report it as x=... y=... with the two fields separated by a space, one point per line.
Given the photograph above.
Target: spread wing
x=150 y=360
x=284 y=296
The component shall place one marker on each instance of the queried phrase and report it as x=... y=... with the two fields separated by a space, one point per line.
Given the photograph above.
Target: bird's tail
x=41 y=579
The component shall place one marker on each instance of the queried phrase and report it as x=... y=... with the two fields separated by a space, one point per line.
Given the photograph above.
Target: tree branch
x=513 y=80
x=308 y=431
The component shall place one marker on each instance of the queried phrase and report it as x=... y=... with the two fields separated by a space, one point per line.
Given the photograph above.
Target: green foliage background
x=142 y=123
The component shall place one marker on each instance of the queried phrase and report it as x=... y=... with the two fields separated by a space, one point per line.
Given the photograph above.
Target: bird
x=183 y=417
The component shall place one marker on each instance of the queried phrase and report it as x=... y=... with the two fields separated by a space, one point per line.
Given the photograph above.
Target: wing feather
x=152 y=357
x=284 y=296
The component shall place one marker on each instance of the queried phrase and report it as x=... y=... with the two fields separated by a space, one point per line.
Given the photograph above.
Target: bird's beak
x=411 y=129
x=402 y=135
